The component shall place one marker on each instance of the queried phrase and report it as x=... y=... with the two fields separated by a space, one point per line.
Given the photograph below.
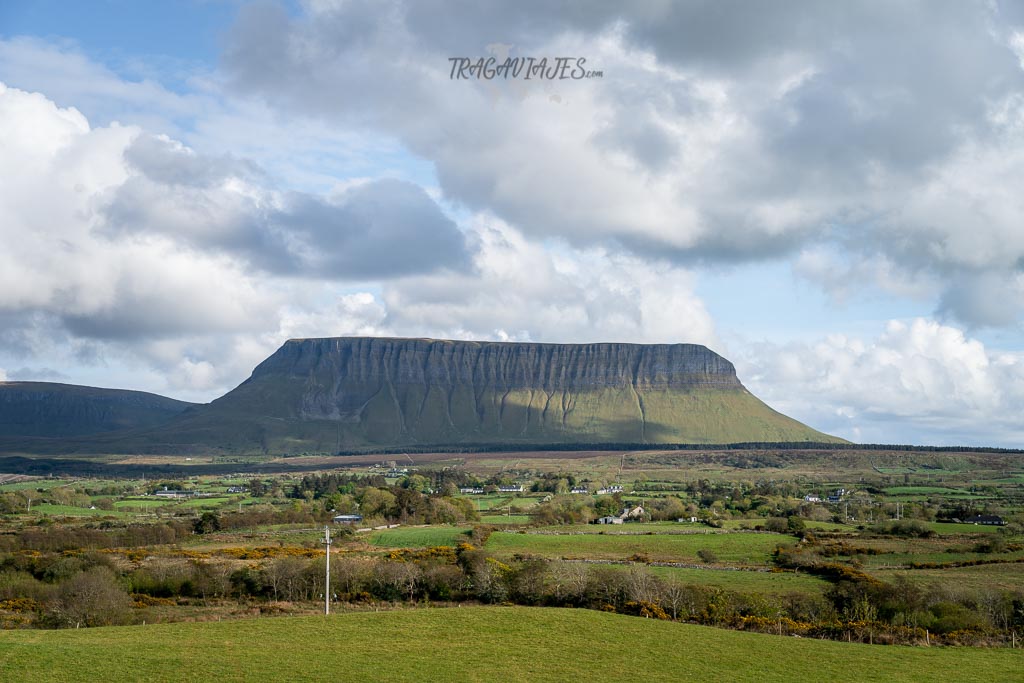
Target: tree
x=91 y=598
x=206 y=523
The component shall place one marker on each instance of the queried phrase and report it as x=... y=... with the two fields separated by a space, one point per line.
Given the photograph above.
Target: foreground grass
x=473 y=644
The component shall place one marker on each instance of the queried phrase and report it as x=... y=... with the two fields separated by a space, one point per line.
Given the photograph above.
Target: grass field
x=752 y=549
x=769 y=583
x=505 y=519
x=72 y=511
x=473 y=644
x=413 y=537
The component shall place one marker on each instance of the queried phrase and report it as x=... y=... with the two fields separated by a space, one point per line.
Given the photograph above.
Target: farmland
x=480 y=644
x=745 y=541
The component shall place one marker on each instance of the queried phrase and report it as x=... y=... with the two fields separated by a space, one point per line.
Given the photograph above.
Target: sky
x=831 y=195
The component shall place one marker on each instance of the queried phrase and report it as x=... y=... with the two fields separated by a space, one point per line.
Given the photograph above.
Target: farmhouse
x=627 y=515
x=517 y=488
x=632 y=513
x=471 y=490
x=579 y=489
x=614 y=488
x=987 y=520
x=176 y=494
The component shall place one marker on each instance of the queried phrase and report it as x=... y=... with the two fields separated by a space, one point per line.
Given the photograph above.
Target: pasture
x=479 y=644
x=730 y=548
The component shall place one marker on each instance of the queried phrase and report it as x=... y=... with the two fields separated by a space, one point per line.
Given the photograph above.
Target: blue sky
x=827 y=195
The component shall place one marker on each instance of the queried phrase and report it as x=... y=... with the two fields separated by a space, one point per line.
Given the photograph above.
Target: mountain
x=46 y=409
x=337 y=394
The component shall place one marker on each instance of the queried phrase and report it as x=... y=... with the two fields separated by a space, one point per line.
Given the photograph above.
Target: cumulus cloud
x=121 y=234
x=376 y=228
x=920 y=381
x=718 y=133
x=521 y=290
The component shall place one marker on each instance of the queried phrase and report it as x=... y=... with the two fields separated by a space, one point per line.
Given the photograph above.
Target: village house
x=627 y=515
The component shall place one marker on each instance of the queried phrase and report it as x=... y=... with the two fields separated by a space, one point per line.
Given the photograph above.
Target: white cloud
x=524 y=290
x=922 y=382
x=893 y=137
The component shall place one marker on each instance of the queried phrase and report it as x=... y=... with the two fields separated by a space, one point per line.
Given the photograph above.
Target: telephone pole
x=327 y=582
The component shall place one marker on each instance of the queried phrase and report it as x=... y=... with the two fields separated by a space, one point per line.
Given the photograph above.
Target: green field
x=412 y=537
x=987 y=576
x=736 y=548
x=505 y=519
x=769 y=583
x=473 y=644
x=35 y=484
x=72 y=511
x=954 y=529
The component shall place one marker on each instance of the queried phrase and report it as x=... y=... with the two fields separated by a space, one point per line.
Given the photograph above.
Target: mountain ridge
x=42 y=409
x=343 y=394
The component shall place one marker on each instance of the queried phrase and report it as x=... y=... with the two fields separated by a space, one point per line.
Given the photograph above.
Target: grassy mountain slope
x=327 y=395
x=46 y=409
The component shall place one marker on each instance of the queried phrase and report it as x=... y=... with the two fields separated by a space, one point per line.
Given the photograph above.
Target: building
x=812 y=498
x=176 y=494
x=347 y=519
x=515 y=488
x=632 y=513
x=610 y=520
x=579 y=489
x=610 y=490
x=471 y=490
x=987 y=520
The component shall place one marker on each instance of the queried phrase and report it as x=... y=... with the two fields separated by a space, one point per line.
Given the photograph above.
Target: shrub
x=91 y=598
x=707 y=556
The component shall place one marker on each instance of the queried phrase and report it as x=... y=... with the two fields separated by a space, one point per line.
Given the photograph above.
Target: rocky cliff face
x=48 y=409
x=341 y=394
x=501 y=365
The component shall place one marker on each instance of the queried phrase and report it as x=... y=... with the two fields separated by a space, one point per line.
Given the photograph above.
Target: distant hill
x=46 y=409
x=337 y=394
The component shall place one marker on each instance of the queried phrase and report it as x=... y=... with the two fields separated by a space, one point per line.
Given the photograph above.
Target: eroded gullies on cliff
x=337 y=394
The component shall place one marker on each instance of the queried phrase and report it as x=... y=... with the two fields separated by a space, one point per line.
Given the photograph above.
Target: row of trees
x=88 y=590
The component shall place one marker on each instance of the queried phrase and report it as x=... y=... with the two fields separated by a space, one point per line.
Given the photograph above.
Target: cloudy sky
x=829 y=194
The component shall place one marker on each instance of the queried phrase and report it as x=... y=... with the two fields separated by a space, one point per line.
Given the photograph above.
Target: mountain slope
x=334 y=394
x=46 y=409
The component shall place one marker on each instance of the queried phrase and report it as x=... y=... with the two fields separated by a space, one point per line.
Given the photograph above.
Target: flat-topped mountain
x=47 y=409
x=336 y=394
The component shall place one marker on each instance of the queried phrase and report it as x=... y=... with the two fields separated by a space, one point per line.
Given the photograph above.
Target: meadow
x=479 y=644
x=729 y=548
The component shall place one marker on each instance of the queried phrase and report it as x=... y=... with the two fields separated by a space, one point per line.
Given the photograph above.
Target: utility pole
x=327 y=582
